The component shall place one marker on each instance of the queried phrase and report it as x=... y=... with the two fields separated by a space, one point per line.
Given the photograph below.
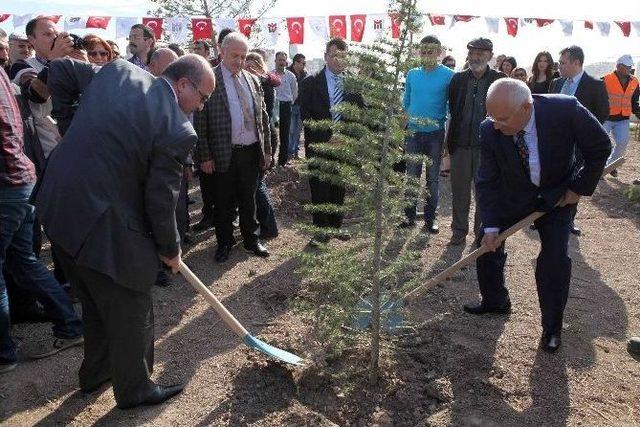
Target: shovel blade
x=271 y=351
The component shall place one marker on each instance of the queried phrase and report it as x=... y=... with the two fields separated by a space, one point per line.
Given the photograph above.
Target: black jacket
x=591 y=93
x=457 y=96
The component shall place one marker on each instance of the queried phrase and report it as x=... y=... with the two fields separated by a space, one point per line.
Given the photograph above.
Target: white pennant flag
x=492 y=24
x=526 y=22
x=377 y=27
x=177 y=30
x=273 y=29
x=604 y=28
x=220 y=24
x=636 y=27
x=318 y=25
x=123 y=26
x=75 y=22
x=21 y=20
x=567 y=27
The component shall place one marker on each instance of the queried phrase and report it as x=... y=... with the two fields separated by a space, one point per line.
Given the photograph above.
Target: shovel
x=393 y=306
x=233 y=323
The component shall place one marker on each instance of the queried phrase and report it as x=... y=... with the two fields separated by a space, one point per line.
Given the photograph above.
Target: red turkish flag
x=463 y=18
x=98 y=22
x=396 y=19
x=544 y=22
x=512 y=26
x=588 y=25
x=4 y=16
x=54 y=18
x=338 y=26
x=245 y=25
x=155 y=24
x=202 y=28
x=436 y=19
x=357 y=27
x=625 y=26
x=296 y=30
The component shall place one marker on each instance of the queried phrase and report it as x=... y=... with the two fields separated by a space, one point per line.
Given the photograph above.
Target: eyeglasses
x=94 y=53
x=203 y=98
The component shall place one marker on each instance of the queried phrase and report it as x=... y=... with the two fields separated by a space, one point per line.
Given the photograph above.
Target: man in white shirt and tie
x=527 y=145
x=286 y=94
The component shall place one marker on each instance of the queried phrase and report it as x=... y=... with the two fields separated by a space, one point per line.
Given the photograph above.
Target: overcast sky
x=523 y=47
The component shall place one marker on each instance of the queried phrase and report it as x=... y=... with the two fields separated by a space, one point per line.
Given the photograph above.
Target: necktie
x=566 y=87
x=245 y=103
x=338 y=96
x=523 y=151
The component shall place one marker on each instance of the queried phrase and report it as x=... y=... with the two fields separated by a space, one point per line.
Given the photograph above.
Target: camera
x=78 y=42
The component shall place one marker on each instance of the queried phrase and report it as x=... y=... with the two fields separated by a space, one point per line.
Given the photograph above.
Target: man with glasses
x=425 y=103
x=234 y=145
x=141 y=41
x=528 y=165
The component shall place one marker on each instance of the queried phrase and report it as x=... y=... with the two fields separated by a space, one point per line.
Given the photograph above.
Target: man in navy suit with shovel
x=528 y=164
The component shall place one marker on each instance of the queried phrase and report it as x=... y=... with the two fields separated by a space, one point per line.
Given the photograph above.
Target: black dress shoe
x=159 y=395
x=432 y=226
x=481 y=308
x=575 y=230
x=204 y=224
x=258 y=249
x=550 y=342
x=222 y=253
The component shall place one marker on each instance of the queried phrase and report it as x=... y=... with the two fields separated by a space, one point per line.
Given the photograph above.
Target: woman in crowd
x=541 y=73
x=519 y=74
x=508 y=65
x=115 y=49
x=99 y=51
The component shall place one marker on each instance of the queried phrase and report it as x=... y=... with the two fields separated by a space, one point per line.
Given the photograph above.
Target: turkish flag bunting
x=543 y=22
x=98 y=22
x=357 y=27
x=4 y=16
x=245 y=25
x=338 y=26
x=625 y=26
x=512 y=26
x=202 y=28
x=588 y=25
x=463 y=18
x=54 y=18
x=436 y=19
x=395 y=25
x=155 y=24
x=296 y=30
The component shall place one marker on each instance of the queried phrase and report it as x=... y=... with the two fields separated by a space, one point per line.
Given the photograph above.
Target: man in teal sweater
x=425 y=102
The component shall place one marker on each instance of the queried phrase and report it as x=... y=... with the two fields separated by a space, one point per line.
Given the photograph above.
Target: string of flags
x=291 y=30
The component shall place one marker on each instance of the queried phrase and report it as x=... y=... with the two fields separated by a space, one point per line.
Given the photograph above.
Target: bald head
x=509 y=105
x=193 y=80
x=160 y=60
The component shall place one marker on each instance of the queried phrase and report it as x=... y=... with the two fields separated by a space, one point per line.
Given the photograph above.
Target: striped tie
x=338 y=96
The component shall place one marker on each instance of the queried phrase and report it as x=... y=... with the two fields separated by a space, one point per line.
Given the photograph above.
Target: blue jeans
x=16 y=254
x=620 y=132
x=430 y=145
x=294 y=130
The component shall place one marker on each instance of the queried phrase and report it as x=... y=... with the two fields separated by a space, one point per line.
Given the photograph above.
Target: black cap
x=480 y=43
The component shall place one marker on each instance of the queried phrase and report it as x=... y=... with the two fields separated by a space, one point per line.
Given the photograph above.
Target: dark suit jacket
x=213 y=124
x=109 y=192
x=315 y=104
x=591 y=93
x=457 y=97
x=504 y=190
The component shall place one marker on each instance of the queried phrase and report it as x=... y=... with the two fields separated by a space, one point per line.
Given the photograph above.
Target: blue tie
x=566 y=87
x=338 y=96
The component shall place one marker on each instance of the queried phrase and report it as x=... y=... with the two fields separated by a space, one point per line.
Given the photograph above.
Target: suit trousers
x=284 y=129
x=553 y=268
x=238 y=184
x=118 y=333
x=208 y=192
x=464 y=167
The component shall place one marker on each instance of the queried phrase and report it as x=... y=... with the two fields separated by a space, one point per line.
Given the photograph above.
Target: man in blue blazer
x=528 y=164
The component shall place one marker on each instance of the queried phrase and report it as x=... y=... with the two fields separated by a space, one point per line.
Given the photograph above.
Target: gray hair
x=161 y=52
x=234 y=37
x=517 y=90
x=193 y=67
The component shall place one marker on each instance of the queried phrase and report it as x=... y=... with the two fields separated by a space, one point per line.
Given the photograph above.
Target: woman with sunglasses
x=99 y=51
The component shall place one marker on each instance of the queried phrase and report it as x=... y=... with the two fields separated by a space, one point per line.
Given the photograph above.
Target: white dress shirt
x=240 y=135
x=288 y=89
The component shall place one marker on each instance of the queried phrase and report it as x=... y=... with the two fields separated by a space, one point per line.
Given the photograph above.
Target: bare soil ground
x=445 y=368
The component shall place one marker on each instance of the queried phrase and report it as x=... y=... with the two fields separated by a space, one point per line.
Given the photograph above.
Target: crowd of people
x=106 y=195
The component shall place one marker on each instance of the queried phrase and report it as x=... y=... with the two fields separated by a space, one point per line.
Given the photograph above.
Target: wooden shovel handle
x=222 y=311
x=471 y=257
